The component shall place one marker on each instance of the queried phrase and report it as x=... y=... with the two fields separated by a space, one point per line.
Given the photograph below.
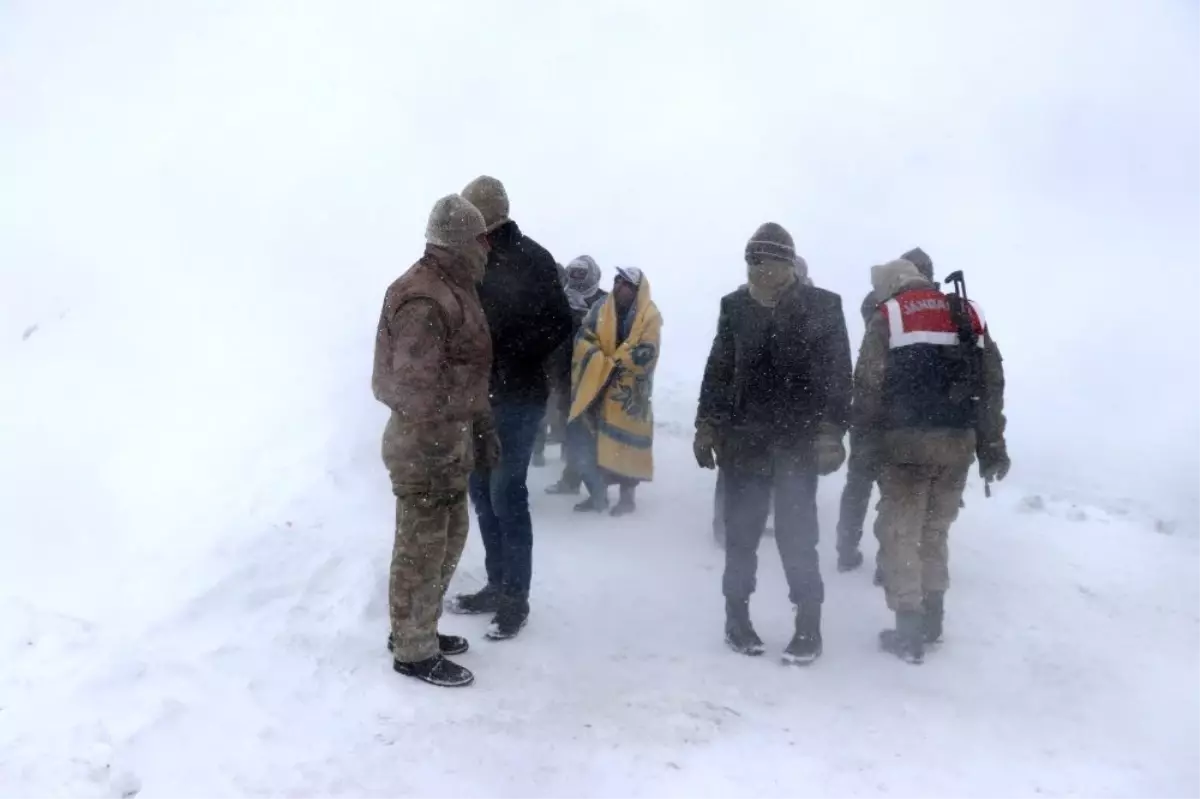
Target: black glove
x=705 y=446
x=830 y=452
x=993 y=461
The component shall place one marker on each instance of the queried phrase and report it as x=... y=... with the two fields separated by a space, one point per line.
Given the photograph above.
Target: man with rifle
x=862 y=472
x=928 y=399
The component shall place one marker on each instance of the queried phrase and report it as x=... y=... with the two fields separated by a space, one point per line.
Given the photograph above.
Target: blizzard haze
x=202 y=204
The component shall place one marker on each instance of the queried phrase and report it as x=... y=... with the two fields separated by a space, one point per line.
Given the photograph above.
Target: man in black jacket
x=773 y=409
x=529 y=318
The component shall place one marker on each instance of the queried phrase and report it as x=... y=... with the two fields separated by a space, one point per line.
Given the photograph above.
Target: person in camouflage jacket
x=433 y=357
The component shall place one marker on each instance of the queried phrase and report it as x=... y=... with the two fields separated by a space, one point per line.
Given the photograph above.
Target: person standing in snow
x=529 y=318
x=719 y=492
x=928 y=398
x=433 y=354
x=583 y=292
x=612 y=381
x=862 y=468
x=773 y=410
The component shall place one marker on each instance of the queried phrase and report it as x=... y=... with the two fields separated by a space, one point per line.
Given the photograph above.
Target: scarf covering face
x=769 y=279
x=583 y=281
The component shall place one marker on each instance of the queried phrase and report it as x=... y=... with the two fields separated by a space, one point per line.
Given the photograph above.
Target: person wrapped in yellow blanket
x=611 y=422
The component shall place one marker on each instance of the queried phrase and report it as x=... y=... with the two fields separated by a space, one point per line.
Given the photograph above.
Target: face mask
x=771 y=275
x=476 y=256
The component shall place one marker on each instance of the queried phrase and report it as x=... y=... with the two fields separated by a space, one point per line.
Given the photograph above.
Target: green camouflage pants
x=918 y=505
x=431 y=530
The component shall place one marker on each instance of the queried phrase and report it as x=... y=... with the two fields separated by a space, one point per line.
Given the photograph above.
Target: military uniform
x=433 y=355
x=927 y=403
x=862 y=467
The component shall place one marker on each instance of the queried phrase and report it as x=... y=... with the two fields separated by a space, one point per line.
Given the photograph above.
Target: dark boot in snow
x=626 y=504
x=805 y=646
x=849 y=559
x=739 y=632
x=907 y=641
x=562 y=488
x=485 y=601
x=935 y=611
x=447 y=644
x=592 y=505
x=509 y=619
x=436 y=671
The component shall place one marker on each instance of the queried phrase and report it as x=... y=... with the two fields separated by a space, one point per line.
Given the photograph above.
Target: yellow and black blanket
x=611 y=385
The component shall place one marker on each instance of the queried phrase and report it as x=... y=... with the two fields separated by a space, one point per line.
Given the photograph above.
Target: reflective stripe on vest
x=923 y=316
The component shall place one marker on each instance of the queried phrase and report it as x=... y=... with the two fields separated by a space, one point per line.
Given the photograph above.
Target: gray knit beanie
x=771 y=243
x=921 y=260
x=454 y=222
x=488 y=195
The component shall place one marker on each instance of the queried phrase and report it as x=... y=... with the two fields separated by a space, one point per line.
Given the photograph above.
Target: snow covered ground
x=201 y=205
x=1069 y=668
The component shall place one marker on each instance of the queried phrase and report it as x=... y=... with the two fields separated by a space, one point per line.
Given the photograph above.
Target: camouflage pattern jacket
x=433 y=356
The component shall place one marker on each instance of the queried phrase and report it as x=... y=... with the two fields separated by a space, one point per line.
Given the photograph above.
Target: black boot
x=436 y=671
x=739 y=632
x=849 y=559
x=447 y=644
x=805 y=646
x=484 y=601
x=935 y=611
x=907 y=641
x=626 y=504
x=509 y=619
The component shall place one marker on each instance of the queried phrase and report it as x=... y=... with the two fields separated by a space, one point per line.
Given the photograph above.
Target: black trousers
x=792 y=477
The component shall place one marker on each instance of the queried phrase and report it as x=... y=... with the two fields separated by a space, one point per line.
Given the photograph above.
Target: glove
x=487 y=443
x=830 y=452
x=993 y=462
x=705 y=446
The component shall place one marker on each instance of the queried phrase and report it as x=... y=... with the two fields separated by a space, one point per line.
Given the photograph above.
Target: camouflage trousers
x=431 y=530
x=918 y=505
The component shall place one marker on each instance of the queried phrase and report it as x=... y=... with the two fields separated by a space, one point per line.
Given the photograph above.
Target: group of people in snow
x=469 y=342
x=485 y=343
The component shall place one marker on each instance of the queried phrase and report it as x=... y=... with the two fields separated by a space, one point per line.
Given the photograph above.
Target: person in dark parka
x=773 y=410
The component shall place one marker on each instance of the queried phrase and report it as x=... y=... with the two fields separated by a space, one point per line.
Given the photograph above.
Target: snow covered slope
x=1069 y=668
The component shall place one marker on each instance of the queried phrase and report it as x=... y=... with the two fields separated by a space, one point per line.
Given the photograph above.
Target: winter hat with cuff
x=771 y=243
x=488 y=195
x=454 y=222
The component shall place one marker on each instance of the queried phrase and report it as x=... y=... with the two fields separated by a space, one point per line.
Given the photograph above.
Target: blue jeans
x=501 y=500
